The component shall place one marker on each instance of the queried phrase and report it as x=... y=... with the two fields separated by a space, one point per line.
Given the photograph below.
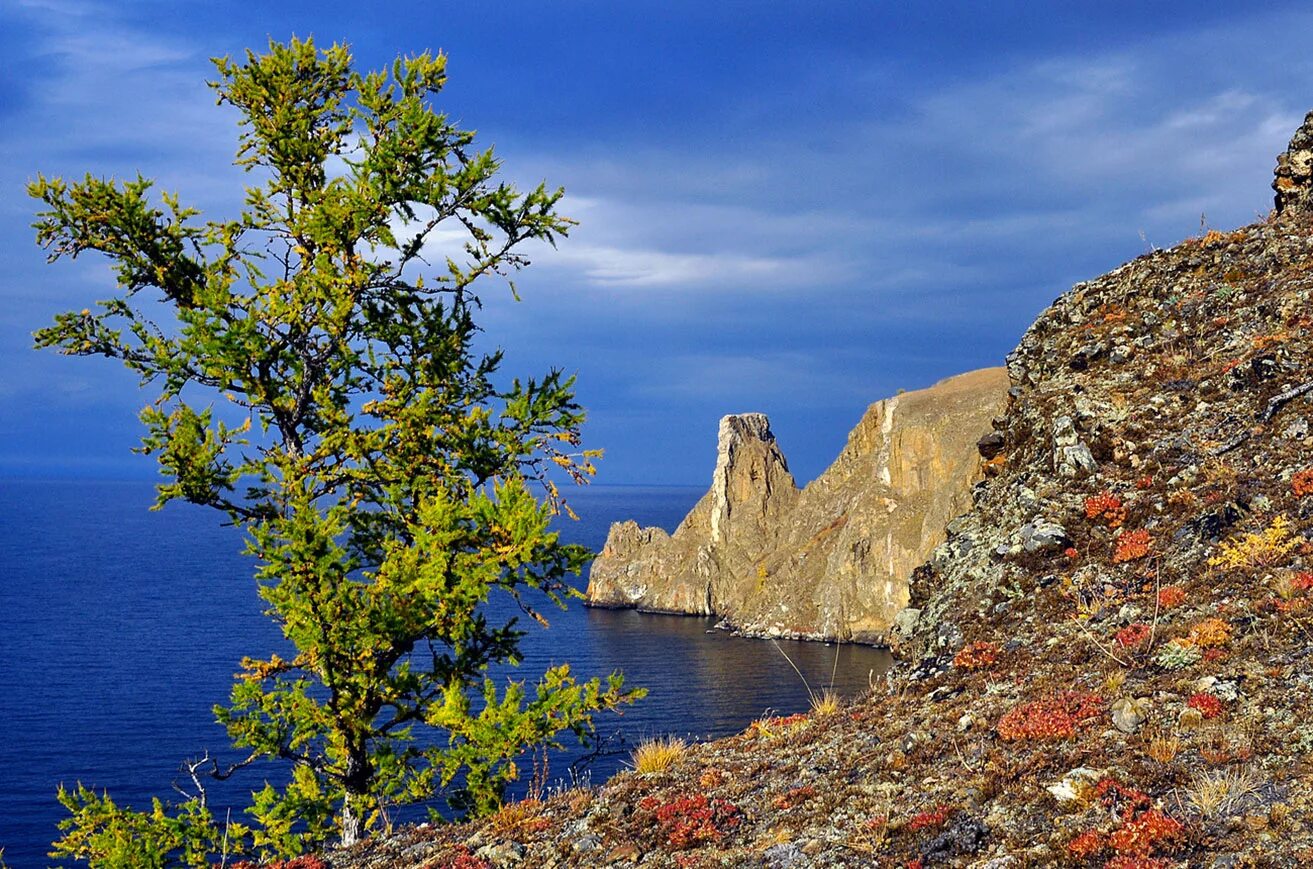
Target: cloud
x=115 y=99
x=794 y=251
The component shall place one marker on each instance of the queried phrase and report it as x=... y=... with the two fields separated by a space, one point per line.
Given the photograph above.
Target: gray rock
x=1071 y=456
x=1042 y=535
x=905 y=621
x=501 y=853
x=1293 y=181
x=1129 y=713
x=783 y=855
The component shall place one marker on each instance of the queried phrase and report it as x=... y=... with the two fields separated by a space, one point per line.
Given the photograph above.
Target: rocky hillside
x=831 y=561
x=1111 y=660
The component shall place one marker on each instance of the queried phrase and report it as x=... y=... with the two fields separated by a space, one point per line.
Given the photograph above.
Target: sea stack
x=833 y=560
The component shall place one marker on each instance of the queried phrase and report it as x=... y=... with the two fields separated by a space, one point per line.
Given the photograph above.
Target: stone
x=1075 y=784
x=1293 y=178
x=1129 y=713
x=783 y=855
x=1071 y=455
x=1042 y=535
x=831 y=561
x=501 y=853
x=906 y=619
x=990 y=445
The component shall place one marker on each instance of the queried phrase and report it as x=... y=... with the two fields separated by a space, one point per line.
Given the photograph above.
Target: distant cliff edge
x=832 y=560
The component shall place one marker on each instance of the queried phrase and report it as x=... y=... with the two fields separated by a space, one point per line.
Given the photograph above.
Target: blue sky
x=796 y=208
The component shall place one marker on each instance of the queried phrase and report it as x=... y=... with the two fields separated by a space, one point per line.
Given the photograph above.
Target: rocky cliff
x=830 y=561
x=1108 y=663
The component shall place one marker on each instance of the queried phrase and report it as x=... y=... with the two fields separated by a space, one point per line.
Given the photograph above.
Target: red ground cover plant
x=1054 y=717
x=690 y=821
x=1087 y=844
x=1133 y=636
x=976 y=656
x=310 y=861
x=1132 y=545
x=1208 y=705
x=1149 y=831
x=1107 y=508
x=1144 y=830
x=1302 y=483
x=931 y=819
x=1170 y=596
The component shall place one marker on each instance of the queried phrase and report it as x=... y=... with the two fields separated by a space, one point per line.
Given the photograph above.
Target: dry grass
x=515 y=820
x=1215 y=794
x=1164 y=748
x=825 y=704
x=1113 y=682
x=658 y=755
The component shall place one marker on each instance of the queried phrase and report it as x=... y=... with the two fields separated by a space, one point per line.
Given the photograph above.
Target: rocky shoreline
x=1111 y=660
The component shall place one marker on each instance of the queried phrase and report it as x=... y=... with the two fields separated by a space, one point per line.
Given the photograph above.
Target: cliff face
x=833 y=560
x=1109 y=662
x=693 y=571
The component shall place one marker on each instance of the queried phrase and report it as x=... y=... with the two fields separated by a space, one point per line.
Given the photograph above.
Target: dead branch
x=1281 y=399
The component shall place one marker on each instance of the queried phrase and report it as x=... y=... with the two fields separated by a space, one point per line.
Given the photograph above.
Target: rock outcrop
x=1294 y=173
x=1106 y=665
x=831 y=561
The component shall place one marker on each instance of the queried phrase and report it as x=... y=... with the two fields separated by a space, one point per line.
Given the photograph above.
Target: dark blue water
x=120 y=628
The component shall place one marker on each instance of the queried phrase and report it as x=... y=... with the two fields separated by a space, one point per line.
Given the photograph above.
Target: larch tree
x=316 y=378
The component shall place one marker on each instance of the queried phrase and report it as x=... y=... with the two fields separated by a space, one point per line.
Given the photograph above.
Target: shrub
x=1171 y=596
x=976 y=656
x=794 y=797
x=1209 y=632
x=1177 y=655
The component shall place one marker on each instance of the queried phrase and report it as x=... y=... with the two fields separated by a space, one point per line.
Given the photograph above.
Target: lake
x=120 y=629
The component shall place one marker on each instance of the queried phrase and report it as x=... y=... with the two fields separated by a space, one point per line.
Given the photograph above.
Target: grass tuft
x=825 y=704
x=658 y=755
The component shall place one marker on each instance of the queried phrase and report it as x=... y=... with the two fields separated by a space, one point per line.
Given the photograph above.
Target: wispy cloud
x=804 y=252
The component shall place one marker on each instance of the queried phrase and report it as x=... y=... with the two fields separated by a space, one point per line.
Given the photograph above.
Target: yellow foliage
x=1264 y=548
x=1210 y=632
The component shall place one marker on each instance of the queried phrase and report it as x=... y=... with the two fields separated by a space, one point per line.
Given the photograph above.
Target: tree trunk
x=353 y=825
x=355 y=802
